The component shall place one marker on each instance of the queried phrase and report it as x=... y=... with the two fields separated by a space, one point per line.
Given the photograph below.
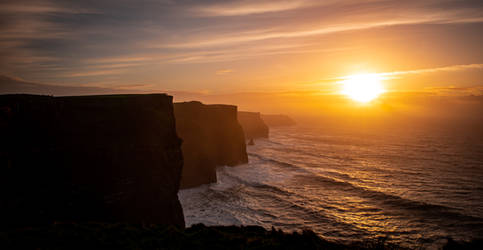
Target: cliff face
x=127 y=236
x=277 y=120
x=211 y=137
x=89 y=158
x=253 y=125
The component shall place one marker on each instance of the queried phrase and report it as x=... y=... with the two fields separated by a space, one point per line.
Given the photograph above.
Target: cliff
x=110 y=158
x=277 y=120
x=127 y=236
x=211 y=137
x=253 y=125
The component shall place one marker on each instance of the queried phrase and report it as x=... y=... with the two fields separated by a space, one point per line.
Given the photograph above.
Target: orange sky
x=213 y=48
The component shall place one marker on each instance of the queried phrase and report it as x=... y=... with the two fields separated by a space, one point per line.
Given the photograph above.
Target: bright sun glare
x=363 y=87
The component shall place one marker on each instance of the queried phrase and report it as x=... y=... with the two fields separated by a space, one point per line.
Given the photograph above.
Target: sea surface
x=415 y=187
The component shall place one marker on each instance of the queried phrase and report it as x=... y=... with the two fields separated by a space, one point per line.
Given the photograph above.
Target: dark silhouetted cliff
x=211 y=137
x=89 y=158
x=252 y=125
x=127 y=236
x=277 y=120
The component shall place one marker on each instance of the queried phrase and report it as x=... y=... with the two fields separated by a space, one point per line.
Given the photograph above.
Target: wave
x=292 y=183
x=277 y=162
x=238 y=180
x=284 y=200
x=427 y=209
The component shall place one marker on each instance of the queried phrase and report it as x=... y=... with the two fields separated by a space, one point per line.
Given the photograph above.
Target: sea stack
x=113 y=158
x=253 y=125
x=211 y=137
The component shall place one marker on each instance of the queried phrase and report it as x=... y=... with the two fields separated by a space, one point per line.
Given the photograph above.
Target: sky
x=224 y=47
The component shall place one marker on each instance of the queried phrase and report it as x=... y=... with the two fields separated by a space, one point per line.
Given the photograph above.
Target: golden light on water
x=363 y=87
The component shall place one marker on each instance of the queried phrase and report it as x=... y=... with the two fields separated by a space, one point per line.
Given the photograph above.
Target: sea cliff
x=211 y=137
x=114 y=158
x=253 y=125
x=277 y=120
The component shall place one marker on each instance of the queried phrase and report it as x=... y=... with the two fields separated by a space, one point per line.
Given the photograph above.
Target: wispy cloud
x=94 y=73
x=236 y=38
x=457 y=91
x=119 y=59
x=223 y=71
x=244 y=54
x=41 y=6
x=78 y=41
x=434 y=70
x=395 y=74
x=36 y=19
x=32 y=28
x=237 y=8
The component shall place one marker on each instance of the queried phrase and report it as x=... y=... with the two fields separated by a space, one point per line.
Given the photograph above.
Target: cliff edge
x=113 y=158
x=253 y=125
x=278 y=120
x=211 y=137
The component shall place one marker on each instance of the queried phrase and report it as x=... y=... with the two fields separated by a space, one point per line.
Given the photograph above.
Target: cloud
x=40 y=7
x=36 y=19
x=451 y=68
x=434 y=70
x=457 y=91
x=237 y=8
x=95 y=73
x=68 y=39
x=117 y=60
x=236 y=38
x=223 y=71
x=247 y=53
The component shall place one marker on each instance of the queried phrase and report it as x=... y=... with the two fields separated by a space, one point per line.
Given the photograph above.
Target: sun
x=363 y=87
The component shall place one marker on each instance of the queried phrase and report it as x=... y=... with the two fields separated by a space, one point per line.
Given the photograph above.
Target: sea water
x=413 y=187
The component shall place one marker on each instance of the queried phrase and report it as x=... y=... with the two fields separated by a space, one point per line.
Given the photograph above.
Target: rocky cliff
x=128 y=236
x=211 y=137
x=277 y=120
x=89 y=158
x=253 y=125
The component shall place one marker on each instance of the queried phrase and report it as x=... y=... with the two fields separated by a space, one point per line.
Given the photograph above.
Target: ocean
x=414 y=187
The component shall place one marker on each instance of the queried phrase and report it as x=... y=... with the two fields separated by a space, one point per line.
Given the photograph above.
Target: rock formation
x=211 y=137
x=108 y=158
x=128 y=236
x=252 y=125
x=277 y=120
